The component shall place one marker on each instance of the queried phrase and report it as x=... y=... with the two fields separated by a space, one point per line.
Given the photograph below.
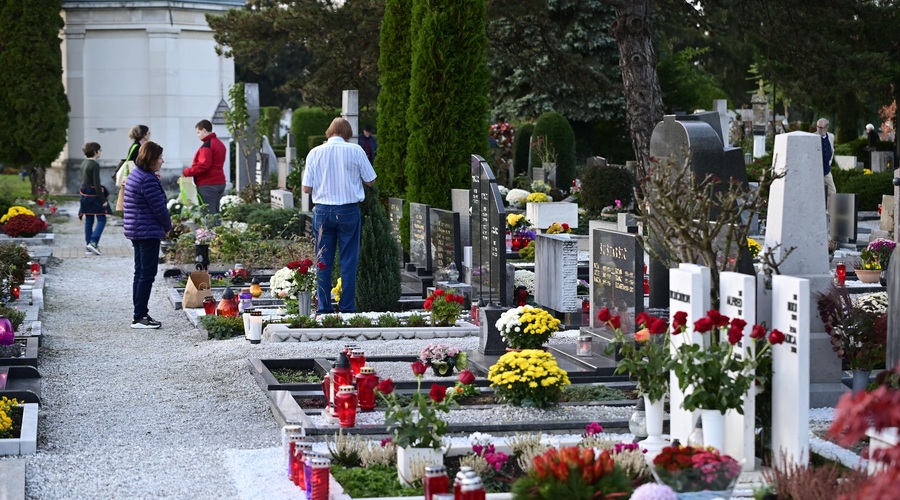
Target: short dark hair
x=138 y=132
x=368 y=128
x=90 y=149
x=204 y=124
x=149 y=153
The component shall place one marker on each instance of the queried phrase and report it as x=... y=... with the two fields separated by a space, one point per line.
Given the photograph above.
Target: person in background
x=139 y=134
x=872 y=137
x=207 y=168
x=334 y=176
x=369 y=144
x=94 y=199
x=827 y=156
x=146 y=223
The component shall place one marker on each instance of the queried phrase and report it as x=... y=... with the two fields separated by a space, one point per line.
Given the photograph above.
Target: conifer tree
x=447 y=116
x=378 y=281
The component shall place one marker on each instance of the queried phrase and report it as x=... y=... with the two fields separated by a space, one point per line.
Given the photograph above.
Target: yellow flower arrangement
x=527 y=327
x=14 y=211
x=537 y=198
x=754 y=247
x=336 y=291
x=6 y=406
x=516 y=221
x=529 y=378
x=557 y=228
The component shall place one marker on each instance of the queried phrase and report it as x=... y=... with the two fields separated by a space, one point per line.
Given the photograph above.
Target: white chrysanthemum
x=874 y=303
x=503 y=190
x=516 y=197
x=229 y=201
x=282 y=283
x=237 y=226
x=525 y=278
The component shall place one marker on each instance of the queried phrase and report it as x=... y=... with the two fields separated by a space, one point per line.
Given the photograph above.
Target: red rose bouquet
x=685 y=468
x=445 y=307
x=647 y=359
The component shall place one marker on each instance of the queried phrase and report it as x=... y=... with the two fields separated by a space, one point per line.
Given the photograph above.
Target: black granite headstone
x=488 y=233
x=893 y=312
x=420 y=237
x=445 y=241
x=395 y=213
x=617 y=272
x=843 y=223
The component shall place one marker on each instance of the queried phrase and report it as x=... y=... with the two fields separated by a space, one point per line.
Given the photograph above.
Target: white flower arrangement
x=540 y=187
x=875 y=303
x=503 y=190
x=480 y=439
x=509 y=322
x=282 y=284
x=229 y=201
x=237 y=226
x=525 y=278
x=516 y=197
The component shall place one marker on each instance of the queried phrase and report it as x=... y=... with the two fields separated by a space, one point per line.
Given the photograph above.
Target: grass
x=13 y=187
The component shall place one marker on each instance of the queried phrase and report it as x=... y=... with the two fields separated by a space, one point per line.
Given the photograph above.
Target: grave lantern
x=15 y=292
x=35 y=269
x=255 y=289
x=255 y=327
x=366 y=382
x=228 y=306
x=321 y=470
x=209 y=306
x=357 y=360
x=7 y=334
x=341 y=374
x=637 y=424
x=345 y=403
x=453 y=274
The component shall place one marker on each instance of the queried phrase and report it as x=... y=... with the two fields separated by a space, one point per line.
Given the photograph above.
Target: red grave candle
x=345 y=405
x=357 y=360
x=321 y=469
x=436 y=480
x=841 y=272
x=366 y=382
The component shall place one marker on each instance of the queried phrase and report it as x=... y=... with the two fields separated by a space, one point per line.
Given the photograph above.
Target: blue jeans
x=146 y=262
x=91 y=233
x=340 y=227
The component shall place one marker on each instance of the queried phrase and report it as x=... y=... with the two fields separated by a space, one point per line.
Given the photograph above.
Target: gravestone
x=886 y=222
x=459 y=201
x=617 y=277
x=488 y=229
x=445 y=241
x=791 y=370
x=845 y=162
x=267 y=161
x=721 y=108
x=686 y=293
x=281 y=198
x=595 y=161
x=284 y=169
x=420 y=238
x=350 y=112
x=737 y=294
x=306 y=203
x=556 y=273
x=882 y=161
x=538 y=174
x=395 y=213
x=893 y=312
x=843 y=217
x=796 y=219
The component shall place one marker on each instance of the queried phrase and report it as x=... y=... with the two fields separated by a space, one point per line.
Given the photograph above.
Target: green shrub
x=521 y=148
x=602 y=186
x=279 y=223
x=313 y=141
x=558 y=133
x=15 y=316
x=388 y=320
x=269 y=116
x=303 y=321
x=332 y=321
x=378 y=285
x=310 y=121
x=360 y=322
x=416 y=320
x=756 y=167
x=222 y=327
x=372 y=481
x=868 y=187
x=13 y=267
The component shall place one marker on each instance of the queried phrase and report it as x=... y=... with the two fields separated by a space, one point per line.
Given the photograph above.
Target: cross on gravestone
x=737 y=294
x=617 y=277
x=488 y=233
x=420 y=238
x=790 y=371
x=686 y=293
x=556 y=272
x=893 y=313
x=796 y=219
x=446 y=247
x=843 y=223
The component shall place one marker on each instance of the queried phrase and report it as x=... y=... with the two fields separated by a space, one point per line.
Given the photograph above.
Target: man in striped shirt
x=334 y=177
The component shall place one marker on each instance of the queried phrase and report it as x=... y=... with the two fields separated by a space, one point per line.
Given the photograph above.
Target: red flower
x=738 y=323
x=460 y=299
x=386 y=386
x=418 y=368
x=758 y=332
x=776 y=337
x=450 y=297
x=657 y=326
x=320 y=265
x=466 y=377
x=735 y=335
x=438 y=292
x=307 y=262
x=718 y=320
x=304 y=269
x=679 y=321
x=294 y=265
x=565 y=227
x=615 y=322
x=643 y=319
x=428 y=303
x=437 y=393
x=604 y=315
x=703 y=325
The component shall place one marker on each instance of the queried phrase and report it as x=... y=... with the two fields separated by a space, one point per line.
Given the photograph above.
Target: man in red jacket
x=206 y=169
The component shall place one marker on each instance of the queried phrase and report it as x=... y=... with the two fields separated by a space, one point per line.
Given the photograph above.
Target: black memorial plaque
x=617 y=272
x=445 y=241
x=395 y=213
x=488 y=240
x=420 y=237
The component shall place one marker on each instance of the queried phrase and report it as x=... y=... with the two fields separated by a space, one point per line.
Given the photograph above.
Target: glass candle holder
x=290 y=436
x=7 y=333
x=228 y=305
x=246 y=300
x=841 y=273
x=350 y=346
x=35 y=269
x=255 y=327
x=209 y=306
x=345 y=405
x=298 y=466
x=472 y=488
x=308 y=458
x=366 y=382
x=357 y=360
x=436 y=480
x=585 y=346
x=255 y=288
x=457 y=481
x=321 y=470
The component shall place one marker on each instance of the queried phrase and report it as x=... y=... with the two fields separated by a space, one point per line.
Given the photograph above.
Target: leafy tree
x=447 y=114
x=686 y=85
x=378 y=287
x=394 y=65
x=33 y=104
x=247 y=134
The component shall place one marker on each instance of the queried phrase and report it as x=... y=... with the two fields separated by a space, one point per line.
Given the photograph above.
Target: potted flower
x=516 y=230
x=537 y=198
x=573 y=472
x=418 y=427
x=858 y=329
x=610 y=213
x=874 y=260
x=445 y=307
x=202 y=238
x=529 y=378
x=295 y=284
x=443 y=359
x=688 y=469
x=20 y=222
x=526 y=327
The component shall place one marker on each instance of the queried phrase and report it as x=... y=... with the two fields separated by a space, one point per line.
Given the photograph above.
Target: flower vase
x=713 y=429
x=653 y=412
x=860 y=380
x=868 y=276
x=201 y=257
x=443 y=368
x=303 y=303
x=411 y=459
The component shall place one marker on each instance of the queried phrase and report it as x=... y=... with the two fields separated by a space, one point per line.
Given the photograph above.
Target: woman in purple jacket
x=146 y=222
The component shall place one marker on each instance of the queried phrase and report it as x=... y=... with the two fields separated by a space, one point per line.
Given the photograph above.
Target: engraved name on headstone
x=488 y=232
x=617 y=277
x=445 y=241
x=420 y=237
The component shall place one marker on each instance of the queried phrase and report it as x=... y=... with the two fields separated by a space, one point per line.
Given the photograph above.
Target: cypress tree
x=557 y=131
x=393 y=100
x=378 y=281
x=447 y=116
x=34 y=110
x=521 y=149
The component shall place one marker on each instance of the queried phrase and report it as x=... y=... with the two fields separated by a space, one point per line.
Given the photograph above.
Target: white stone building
x=151 y=62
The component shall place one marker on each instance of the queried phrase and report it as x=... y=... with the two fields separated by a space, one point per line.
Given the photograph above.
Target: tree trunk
x=637 y=59
x=37 y=176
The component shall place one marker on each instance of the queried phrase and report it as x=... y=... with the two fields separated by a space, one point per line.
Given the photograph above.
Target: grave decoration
x=529 y=378
x=647 y=359
x=295 y=283
x=857 y=326
x=10 y=410
x=874 y=259
x=558 y=228
x=515 y=198
x=20 y=222
x=527 y=327
x=688 y=469
x=443 y=359
x=445 y=307
x=559 y=473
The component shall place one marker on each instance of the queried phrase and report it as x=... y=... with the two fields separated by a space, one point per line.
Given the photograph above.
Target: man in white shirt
x=334 y=176
x=827 y=156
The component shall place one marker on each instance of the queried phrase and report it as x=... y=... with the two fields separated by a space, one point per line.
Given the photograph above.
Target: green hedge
x=602 y=186
x=313 y=141
x=521 y=147
x=868 y=187
x=281 y=223
x=559 y=134
x=310 y=121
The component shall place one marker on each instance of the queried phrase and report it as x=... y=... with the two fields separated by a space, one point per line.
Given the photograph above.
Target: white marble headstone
x=737 y=294
x=790 y=367
x=686 y=292
x=556 y=272
x=707 y=283
x=281 y=198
